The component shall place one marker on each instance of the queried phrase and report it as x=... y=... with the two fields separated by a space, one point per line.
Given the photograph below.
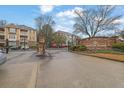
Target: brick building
x=99 y=43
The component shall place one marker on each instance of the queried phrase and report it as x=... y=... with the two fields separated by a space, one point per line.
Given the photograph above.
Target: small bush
x=118 y=46
x=33 y=47
x=72 y=48
x=79 y=48
x=82 y=48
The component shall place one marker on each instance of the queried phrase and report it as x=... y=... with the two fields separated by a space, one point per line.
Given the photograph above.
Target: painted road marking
x=33 y=80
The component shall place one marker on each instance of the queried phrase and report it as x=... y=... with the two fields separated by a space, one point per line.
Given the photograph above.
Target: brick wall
x=99 y=43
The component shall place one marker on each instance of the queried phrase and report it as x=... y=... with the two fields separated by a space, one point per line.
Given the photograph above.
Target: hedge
x=33 y=47
x=79 y=48
x=118 y=46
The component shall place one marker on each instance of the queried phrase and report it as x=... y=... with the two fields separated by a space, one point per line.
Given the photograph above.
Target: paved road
x=17 y=71
x=72 y=70
x=61 y=69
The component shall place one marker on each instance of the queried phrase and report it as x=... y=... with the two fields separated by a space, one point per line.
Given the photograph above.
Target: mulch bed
x=115 y=57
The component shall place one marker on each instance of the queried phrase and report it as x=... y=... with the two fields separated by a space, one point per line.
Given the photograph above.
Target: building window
x=12 y=43
x=12 y=30
x=23 y=39
x=11 y=36
x=1 y=37
x=24 y=33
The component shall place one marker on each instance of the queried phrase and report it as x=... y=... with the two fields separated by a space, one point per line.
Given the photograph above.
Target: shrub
x=79 y=48
x=33 y=47
x=82 y=48
x=72 y=48
x=118 y=46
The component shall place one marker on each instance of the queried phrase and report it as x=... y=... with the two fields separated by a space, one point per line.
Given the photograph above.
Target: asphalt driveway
x=67 y=69
x=62 y=69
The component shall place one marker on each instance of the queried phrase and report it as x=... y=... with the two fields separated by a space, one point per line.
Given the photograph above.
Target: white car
x=2 y=57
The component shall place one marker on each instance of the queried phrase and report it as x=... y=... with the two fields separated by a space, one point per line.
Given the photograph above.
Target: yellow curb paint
x=33 y=79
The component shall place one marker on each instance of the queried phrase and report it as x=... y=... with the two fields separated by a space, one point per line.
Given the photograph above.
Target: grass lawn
x=109 y=52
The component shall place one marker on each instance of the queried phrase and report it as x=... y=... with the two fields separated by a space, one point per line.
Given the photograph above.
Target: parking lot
x=24 y=69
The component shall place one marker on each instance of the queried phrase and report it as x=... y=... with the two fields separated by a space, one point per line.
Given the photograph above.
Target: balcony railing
x=1 y=33
x=23 y=40
x=11 y=39
x=2 y=41
x=24 y=34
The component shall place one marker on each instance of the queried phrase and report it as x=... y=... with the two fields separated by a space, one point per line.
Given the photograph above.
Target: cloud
x=69 y=13
x=65 y=19
x=119 y=21
x=65 y=24
x=63 y=28
x=46 y=8
x=79 y=9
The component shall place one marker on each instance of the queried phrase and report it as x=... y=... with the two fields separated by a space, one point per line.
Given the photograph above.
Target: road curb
x=96 y=56
x=15 y=56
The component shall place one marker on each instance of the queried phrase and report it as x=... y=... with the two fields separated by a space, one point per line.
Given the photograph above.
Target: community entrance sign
x=41 y=45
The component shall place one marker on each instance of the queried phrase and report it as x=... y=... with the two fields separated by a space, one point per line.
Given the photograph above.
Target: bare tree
x=92 y=21
x=59 y=39
x=3 y=22
x=48 y=33
x=44 y=24
x=43 y=20
x=122 y=34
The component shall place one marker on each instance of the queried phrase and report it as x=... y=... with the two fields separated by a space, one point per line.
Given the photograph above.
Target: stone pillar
x=41 y=46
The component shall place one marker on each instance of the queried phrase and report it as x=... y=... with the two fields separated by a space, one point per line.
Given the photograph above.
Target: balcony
x=2 y=41
x=12 y=30
x=22 y=40
x=1 y=33
x=12 y=39
x=23 y=34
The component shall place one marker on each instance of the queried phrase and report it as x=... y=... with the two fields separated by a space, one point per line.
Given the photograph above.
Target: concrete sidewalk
x=12 y=55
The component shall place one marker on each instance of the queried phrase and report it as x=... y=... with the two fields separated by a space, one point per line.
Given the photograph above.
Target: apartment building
x=74 y=39
x=18 y=36
x=2 y=36
x=69 y=37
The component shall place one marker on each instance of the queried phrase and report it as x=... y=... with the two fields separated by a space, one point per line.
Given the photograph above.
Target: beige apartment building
x=69 y=37
x=18 y=36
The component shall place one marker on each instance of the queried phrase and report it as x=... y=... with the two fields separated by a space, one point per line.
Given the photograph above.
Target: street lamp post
x=24 y=43
x=72 y=40
x=68 y=45
x=7 y=46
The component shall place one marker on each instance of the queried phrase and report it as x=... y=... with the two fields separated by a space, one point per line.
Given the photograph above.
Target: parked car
x=13 y=48
x=2 y=57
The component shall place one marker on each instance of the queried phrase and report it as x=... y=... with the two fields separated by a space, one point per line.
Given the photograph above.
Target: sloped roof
x=123 y=32
x=67 y=33
x=10 y=25
x=100 y=37
x=17 y=26
x=2 y=26
x=25 y=27
x=64 y=32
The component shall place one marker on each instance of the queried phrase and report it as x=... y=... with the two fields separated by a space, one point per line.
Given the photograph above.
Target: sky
x=63 y=14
